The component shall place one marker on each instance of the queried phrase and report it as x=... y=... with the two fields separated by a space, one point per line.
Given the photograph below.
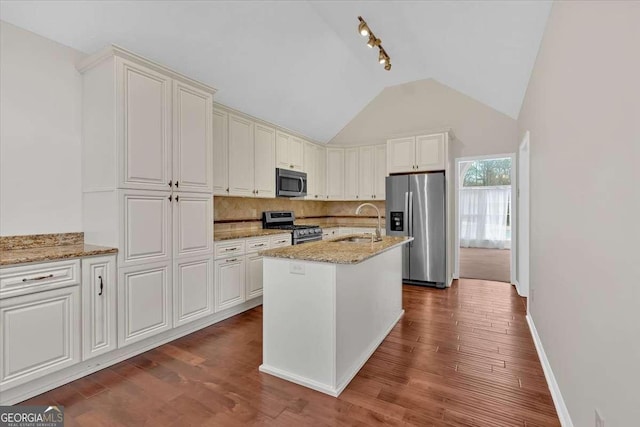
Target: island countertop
x=336 y=251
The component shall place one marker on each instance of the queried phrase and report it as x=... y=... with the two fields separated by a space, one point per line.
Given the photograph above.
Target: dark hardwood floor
x=459 y=357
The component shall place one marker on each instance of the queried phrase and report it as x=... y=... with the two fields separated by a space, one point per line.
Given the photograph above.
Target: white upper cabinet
x=380 y=173
x=372 y=172
x=311 y=169
x=192 y=138
x=241 y=160
x=321 y=172
x=289 y=151
x=144 y=126
x=366 y=181
x=417 y=154
x=145 y=140
x=220 y=153
x=351 y=172
x=335 y=173
x=431 y=152
x=264 y=161
x=401 y=153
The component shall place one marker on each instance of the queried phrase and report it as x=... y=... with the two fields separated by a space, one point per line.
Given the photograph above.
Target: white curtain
x=483 y=217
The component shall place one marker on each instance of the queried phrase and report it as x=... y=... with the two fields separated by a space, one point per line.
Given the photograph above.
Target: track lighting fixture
x=365 y=31
x=373 y=41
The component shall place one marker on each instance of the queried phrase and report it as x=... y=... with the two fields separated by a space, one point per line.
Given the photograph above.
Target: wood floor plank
x=462 y=356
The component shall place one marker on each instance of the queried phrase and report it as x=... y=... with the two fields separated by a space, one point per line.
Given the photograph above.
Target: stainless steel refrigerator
x=416 y=207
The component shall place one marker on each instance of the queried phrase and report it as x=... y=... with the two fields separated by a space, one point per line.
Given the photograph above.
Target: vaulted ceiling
x=302 y=64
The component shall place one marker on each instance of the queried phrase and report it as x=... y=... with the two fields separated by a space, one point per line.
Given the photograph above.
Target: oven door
x=290 y=183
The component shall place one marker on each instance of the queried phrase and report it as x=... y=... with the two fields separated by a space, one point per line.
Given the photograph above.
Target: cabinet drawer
x=281 y=240
x=234 y=247
x=255 y=245
x=31 y=278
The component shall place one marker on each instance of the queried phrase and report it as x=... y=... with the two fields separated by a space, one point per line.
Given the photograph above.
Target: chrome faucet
x=378 y=229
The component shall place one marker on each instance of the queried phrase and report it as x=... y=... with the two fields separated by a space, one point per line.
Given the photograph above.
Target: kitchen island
x=327 y=306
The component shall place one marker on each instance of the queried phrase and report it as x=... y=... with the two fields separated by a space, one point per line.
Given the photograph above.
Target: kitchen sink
x=354 y=239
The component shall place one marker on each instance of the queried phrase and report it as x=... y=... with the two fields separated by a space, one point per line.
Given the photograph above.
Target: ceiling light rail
x=365 y=31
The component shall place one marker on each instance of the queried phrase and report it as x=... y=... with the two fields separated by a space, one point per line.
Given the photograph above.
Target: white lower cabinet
x=98 y=306
x=144 y=302
x=192 y=289
x=253 y=276
x=229 y=280
x=39 y=334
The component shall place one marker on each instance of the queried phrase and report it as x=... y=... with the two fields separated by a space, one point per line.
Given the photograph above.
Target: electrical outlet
x=599 y=419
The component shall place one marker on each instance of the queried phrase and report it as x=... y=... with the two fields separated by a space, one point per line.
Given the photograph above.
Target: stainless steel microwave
x=290 y=183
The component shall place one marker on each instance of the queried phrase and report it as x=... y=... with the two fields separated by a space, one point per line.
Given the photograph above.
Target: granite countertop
x=336 y=252
x=52 y=253
x=243 y=234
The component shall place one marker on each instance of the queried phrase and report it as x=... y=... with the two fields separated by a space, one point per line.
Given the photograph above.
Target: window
x=487 y=173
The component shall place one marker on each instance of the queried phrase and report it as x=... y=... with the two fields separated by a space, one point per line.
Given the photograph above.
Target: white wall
x=583 y=108
x=425 y=105
x=40 y=133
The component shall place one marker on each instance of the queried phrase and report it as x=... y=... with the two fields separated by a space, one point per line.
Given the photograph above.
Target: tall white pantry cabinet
x=148 y=188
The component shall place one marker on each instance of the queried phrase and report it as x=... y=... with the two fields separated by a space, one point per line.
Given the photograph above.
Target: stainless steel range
x=284 y=220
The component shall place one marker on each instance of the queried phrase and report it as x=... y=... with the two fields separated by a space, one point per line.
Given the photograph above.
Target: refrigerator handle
x=410 y=214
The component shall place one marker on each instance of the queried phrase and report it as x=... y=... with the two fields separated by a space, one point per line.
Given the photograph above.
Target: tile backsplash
x=231 y=209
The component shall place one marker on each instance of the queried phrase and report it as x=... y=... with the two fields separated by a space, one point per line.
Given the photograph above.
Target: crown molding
x=118 y=51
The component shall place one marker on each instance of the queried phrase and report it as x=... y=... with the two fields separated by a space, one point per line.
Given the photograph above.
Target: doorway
x=485 y=218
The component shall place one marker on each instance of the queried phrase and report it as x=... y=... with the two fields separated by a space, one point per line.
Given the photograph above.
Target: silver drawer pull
x=232 y=260
x=37 y=278
x=261 y=244
x=231 y=249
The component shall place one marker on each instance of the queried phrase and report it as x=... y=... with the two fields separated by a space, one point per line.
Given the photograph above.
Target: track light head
x=382 y=57
x=373 y=41
x=363 y=28
x=387 y=66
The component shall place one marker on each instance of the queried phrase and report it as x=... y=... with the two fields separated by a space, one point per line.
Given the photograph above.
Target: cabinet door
x=144 y=127
x=241 y=156
x=144 y=302
x=192 y=139
x=282 y=150
x=351 y=173
x=366 y=182
x=335 y=173
x=296 y=153
x=321 y=172
x=265 y=161
x=220 y=153
x=229 y=282
x=145 y=227
x=380 y=172
x=253 y=276
x=192 y=289
x=99 y=310
x=192 y=224
x=310 y=169
x=401 y=155
x=39 y=334
x=430 y=152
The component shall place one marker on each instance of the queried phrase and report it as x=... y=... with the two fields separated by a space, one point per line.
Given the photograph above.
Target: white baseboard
x=327 y=388
x=556 y=395
x=38 y=386
x=517 y=285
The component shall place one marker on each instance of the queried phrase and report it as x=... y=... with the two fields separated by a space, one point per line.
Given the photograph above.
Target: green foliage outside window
x=487 y=173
